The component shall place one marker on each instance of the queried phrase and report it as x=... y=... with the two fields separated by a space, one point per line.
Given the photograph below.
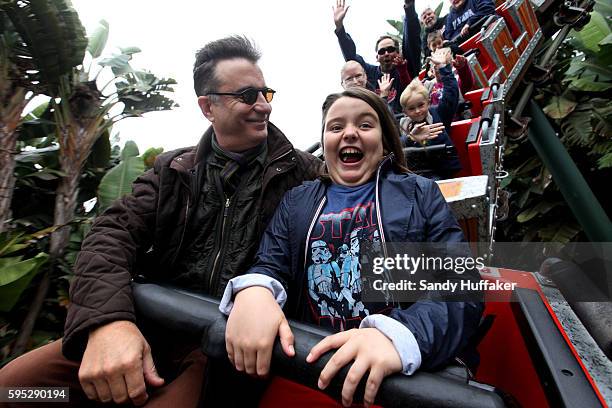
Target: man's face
x=457 y=4
x=428 y=18
x=353 y=76
x=386 y=53
x=237 y=125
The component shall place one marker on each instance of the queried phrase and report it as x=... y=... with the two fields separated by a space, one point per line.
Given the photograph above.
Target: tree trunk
x=19 y=347
x=7 y=178
x=65 y=204
x=10 y=117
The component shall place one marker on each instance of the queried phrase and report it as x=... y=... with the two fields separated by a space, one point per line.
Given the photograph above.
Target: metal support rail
x=573 y=186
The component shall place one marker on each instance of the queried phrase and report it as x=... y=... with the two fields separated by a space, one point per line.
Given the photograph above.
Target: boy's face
x=435 y=44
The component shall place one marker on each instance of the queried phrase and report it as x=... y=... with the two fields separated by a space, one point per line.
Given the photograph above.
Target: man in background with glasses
x=195 y=220
x=352 y=74
x=388 y=54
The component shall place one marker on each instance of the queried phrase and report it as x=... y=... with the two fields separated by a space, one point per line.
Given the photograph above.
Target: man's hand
x=384 y=84
x=398 y=61
x=117 y=365
x=422 y=132
x=339 y=13
x=371 y=351
x=251 y=329
x=465 y=30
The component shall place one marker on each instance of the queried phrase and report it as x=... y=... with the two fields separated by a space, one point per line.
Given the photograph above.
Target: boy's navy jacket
x=411 y=209
x=469 y=13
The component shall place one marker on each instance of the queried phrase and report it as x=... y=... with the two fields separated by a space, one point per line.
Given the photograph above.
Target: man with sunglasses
x=195 y=221
x=388 y=56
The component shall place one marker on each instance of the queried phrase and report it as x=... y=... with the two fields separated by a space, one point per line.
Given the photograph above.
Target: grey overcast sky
x=301 y=57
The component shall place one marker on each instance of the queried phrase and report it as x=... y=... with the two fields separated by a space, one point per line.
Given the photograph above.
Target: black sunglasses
x=249 y=95
x=388 y=49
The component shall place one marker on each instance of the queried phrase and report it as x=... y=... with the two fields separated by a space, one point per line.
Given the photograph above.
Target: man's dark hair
x=390 y=130
x=207 y=58
x=384 y=37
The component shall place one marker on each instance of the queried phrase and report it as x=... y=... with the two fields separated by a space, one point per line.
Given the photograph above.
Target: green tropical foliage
x=118 y=181
x=60 y=152
x=577 y=100
x=40 y=41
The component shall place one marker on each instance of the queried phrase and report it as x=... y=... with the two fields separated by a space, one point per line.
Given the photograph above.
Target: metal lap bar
x=197 y=316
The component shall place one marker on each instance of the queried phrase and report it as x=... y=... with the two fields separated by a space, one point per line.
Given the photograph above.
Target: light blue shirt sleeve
x=246 y=281
x=402 y=338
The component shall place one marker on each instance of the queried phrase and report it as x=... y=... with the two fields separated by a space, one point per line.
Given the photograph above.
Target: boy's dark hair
x=207 y=58
x=384 y=37
x=390 y=130
x=434 y=35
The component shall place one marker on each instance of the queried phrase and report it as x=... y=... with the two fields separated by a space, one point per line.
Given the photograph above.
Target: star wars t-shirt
x=345 y=231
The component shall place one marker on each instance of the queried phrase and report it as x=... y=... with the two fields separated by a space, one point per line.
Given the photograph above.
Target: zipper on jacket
x=218 y=262
x=312 y=224
x=221 y=242
x=388 y=295
x=378 y=214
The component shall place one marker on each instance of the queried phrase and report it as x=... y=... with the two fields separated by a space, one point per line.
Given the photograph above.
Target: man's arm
x=116 y=363
x=481 y=9
x=411 y=43
x=347 y=45
x=100 y=292
x=448 y=28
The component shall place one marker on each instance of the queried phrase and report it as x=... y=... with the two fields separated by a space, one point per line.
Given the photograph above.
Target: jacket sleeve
x=448 y=27
x=349 y=50
x=411 y=42
x=450 y=96
x=466 y=79
x=442 y=329
x=481 y=9
x=404 y=75
x=100 y=292
x=274 y=255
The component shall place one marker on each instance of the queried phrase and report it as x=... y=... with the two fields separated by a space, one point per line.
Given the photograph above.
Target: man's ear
x=205 y=104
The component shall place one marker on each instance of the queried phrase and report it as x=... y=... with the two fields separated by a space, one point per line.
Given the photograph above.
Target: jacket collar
x=278 y=146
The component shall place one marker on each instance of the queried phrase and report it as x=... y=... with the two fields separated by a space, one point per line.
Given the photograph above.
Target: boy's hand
x=252 y=326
